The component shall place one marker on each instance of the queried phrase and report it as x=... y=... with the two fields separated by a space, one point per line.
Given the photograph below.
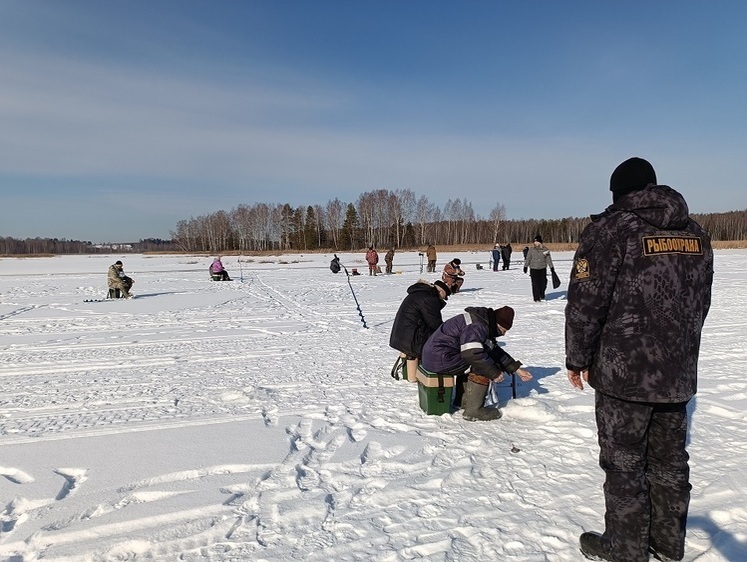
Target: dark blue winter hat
x=632 y=175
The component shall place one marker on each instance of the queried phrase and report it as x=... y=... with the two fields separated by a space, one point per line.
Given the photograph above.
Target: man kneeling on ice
x=465 y=346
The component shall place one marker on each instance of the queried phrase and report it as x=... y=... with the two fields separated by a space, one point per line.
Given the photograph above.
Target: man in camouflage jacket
x=639 y=292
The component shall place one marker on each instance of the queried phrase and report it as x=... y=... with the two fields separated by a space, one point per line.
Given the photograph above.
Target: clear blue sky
x=119 y=118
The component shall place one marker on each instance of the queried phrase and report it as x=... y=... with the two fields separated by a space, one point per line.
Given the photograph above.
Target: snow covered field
x=256 y=420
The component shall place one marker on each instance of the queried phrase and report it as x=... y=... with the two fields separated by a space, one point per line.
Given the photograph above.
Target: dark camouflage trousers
x=647 y=489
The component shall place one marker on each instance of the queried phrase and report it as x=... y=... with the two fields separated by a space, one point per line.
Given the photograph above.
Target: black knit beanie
x=632 y=175
x=444 y=287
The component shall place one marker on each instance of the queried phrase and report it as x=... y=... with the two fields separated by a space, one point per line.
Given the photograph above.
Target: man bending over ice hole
x=465 y=346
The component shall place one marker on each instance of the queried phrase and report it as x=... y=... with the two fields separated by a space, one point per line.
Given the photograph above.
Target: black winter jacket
x=639 y=292
x=418 y=317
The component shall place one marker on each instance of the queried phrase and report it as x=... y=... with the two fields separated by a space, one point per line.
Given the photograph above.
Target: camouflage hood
x=659 y=205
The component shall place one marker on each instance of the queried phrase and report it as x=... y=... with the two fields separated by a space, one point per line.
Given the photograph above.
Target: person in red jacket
x=453 y=274
x=372 y=257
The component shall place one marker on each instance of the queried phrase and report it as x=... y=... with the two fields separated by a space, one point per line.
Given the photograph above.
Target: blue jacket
x=467 y=341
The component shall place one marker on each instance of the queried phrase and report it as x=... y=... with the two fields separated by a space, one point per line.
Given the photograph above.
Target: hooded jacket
x=216 y=266
x=468 y=341
x=116 y=278
x=418 y=317
x=372 y=257
x=639 y=292
x=538 y=257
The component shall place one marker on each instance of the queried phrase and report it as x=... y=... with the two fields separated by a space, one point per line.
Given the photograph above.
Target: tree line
x=53 y=246
x=385 y=219
x=389 y=219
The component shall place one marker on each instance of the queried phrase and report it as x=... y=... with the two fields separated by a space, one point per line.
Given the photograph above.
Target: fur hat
x=632 y=175
x=443 y=286
x=538 y=238
x=504 y=317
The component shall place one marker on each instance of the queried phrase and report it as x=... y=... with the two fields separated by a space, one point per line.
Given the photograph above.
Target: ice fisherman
x=431 y=255
x=372 y=258
x=216 y=268
x=417 y=318
x=537 y=261
x=389 y=259
x=452 y=275
x=465 y=346
x=118 y=280
x=495 y=255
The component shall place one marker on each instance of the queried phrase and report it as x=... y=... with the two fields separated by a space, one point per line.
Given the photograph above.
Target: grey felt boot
x=474 y=397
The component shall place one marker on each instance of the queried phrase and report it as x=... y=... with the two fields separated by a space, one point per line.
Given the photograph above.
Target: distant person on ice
x=453 y=274
x=216 y=268
x=418 y=317
x=430 y=253
x=117 y=280
x=506 y=252
x=537 y=261
x=467 y=341
x=495 y=254
x=388 y=259
x=372 y=258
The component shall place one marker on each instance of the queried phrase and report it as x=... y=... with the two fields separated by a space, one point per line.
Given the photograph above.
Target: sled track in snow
x=293 y=307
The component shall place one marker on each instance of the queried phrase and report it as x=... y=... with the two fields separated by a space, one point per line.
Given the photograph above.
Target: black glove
x=552 y=269
x=525 y=270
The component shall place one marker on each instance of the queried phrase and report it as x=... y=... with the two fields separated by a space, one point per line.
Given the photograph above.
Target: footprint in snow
x=15 y=475
x=74 y=477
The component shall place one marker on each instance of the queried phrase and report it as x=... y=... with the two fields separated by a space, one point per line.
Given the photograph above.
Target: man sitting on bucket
x=465 y=346
x=116 y=279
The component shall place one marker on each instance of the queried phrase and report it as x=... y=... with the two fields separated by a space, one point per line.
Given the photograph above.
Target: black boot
x=594 y=547
x=474 y=398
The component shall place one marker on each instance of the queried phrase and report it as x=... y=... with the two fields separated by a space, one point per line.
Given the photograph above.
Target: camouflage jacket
x=639 y=292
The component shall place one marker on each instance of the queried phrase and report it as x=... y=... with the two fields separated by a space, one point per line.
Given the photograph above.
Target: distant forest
x=382 y=218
